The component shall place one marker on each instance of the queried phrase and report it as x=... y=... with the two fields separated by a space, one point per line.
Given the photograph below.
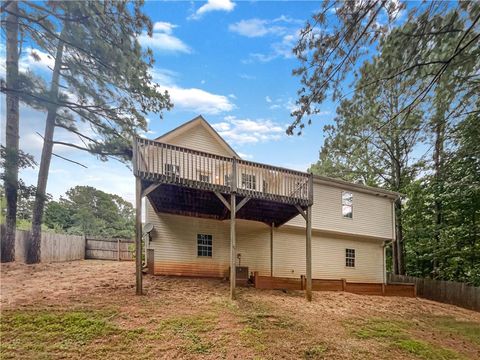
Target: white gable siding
x=372 y=215
x=198 y=138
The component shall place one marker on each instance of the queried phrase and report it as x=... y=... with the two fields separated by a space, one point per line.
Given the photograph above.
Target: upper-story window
x=347 y=204
x=264 y=186
x=204 y=177
x=172 y=170
x=249 y=181
x=227 y=180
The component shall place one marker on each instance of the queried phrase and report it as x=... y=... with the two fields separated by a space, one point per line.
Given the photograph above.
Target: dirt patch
x=193 y=318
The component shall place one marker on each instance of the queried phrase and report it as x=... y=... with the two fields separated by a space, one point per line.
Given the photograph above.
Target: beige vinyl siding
x=174 y=241
x=198 y=138
x=328 y=257
x=372 y=215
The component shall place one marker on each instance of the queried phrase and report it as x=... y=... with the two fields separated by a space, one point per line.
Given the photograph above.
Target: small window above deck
x=249 y=181
x=172 y=170
x=347 y=204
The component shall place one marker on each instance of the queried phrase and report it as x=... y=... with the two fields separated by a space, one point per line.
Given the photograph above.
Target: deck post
x=138 y=235
x=309 y=240
x=233 y=246
x=271 y=248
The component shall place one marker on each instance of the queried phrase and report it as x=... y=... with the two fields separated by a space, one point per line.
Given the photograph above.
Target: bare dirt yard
x=89 y=310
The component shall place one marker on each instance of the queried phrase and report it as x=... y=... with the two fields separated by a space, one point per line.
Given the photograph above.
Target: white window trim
x=205 y=245
x=354 y=258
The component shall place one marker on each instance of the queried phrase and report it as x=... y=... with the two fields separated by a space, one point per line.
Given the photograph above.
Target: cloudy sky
x=230 y=62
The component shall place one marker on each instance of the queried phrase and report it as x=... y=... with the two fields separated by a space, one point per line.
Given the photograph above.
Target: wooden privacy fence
x=449 y=292
x=281 y=283
x=109 y=249
x=53 y=247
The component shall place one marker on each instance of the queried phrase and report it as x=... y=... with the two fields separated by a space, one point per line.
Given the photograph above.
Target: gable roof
x=198 y=121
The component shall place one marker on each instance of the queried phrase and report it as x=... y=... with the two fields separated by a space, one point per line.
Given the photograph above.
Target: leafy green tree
x=11 y=151
x=341 y=34
x=88 y=211
x=100 y=78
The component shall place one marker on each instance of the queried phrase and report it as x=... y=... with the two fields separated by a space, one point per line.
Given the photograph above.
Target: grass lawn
x=88 y=310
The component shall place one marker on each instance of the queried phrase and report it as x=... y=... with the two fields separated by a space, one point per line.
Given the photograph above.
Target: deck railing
x=165 y=163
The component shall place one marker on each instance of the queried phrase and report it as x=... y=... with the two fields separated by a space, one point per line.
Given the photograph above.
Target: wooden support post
x=309 y=254
x=271 y=249
x=233 y=246
x=138 y=235
x=309 y=240
x=233 y=250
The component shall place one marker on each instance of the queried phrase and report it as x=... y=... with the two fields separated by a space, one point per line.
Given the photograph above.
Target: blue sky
x=230 y=62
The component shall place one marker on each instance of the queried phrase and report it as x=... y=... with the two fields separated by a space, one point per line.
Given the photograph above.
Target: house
x=286 y=223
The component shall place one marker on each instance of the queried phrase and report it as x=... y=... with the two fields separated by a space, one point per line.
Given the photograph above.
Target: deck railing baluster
x=185 y=167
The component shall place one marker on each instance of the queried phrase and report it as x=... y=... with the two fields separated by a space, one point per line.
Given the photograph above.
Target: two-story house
x=285 y=224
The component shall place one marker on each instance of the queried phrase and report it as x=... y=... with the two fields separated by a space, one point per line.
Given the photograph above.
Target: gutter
x=324 y=180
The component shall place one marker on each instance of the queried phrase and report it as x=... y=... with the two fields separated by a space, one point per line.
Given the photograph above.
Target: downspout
x=394 y=238
x=385 y=244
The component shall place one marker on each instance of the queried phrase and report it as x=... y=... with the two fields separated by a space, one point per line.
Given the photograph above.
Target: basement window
x=249 y=181
x=350 y=257
x=347 y=204
x=204 y=245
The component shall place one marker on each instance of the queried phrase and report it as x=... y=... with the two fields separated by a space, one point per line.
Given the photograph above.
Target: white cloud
x=35 y=59
x=255 y=28
x=243 y=131
x=245 y=156
x=279 y=49
x=247 y=77
x=198 y=100
x=162 y=39
x=260 y=27
x=268 y=99
x=165 y=27
x=191 y=99
x=213 y=5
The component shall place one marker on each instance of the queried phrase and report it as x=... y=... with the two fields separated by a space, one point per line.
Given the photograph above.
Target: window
x=350 y=257
x=204 y=245
x=204 y=177
x=172 y=170
x=226 y=180
x=264 y=186
x=249 y=181
x=347 y=204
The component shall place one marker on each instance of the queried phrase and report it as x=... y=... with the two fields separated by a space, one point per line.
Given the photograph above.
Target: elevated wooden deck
x=159 y=163
x=183 y=181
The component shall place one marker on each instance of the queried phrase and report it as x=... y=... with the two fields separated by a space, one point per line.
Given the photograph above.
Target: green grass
x=395 y=334
x=315 y=352
x=466 y=329
x=190 y=329
x=45 y=333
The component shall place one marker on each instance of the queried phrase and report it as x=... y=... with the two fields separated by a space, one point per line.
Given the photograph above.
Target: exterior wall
x=198 y=138
x=174 y=241
x=372 y=215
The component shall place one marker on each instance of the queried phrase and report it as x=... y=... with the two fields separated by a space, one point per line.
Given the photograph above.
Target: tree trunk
x=11 y=134
x=40 y=196
x=438 y=189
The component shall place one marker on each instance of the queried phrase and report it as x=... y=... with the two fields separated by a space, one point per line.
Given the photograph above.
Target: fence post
x=118 y=249
x=344 y=284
